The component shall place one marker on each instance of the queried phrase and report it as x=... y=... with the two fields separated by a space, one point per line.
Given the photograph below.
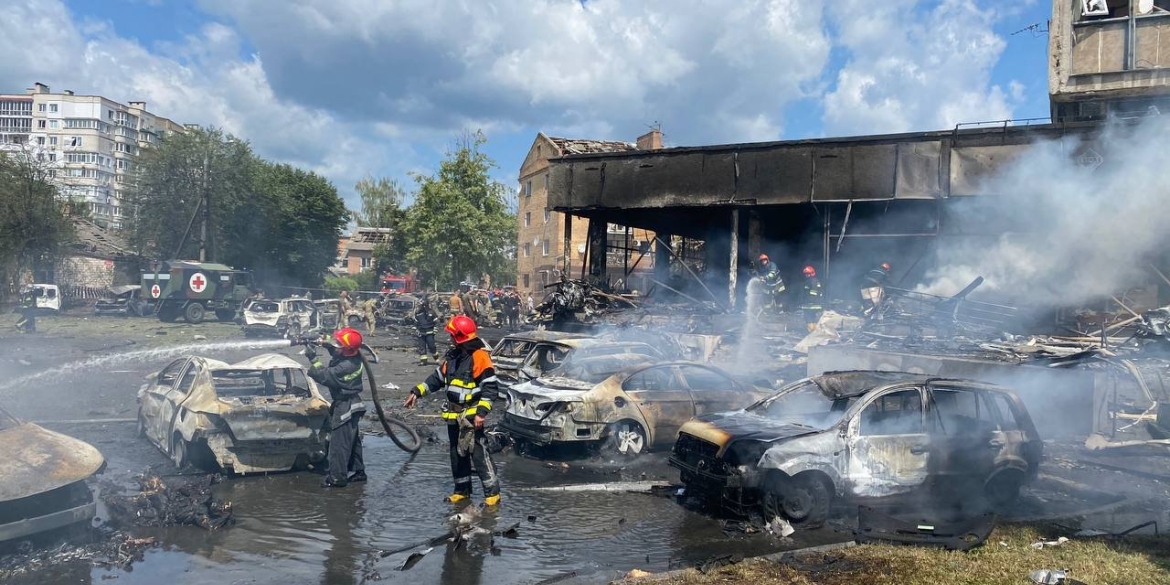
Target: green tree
x=459 y=226
x=279 y=221
x=381 y=200
x=35 y=224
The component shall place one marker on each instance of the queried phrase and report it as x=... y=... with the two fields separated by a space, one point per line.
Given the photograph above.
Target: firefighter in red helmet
x=812 y=298
x=343 y=378
x=773 y=282
x=873 y=287
x=469 y=379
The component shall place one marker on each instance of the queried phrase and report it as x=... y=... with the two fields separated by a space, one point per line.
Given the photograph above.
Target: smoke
x=1085 y=217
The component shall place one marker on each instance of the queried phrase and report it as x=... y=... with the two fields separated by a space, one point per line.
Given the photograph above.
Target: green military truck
x=182 y=288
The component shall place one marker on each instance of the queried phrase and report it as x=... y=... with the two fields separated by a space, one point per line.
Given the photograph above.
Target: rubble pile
x=181 y=500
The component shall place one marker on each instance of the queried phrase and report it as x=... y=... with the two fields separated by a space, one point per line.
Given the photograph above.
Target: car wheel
x=179 y=452
x=193 y=314
x=803 y=500
x=1003 y=489
x=627 y=438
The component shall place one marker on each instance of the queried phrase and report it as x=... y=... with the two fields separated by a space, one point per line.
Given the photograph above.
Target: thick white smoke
x=1090 y=230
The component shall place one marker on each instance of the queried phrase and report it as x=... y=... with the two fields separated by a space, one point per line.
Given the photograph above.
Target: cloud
x=916 y=65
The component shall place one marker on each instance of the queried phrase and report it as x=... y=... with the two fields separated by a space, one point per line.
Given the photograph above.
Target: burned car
x=509 y=353
x=123 y=300
x=256 y=416
x=281 y=318
x=626 y=403
x=556 y=351
x=861 y=436
x=42 y=479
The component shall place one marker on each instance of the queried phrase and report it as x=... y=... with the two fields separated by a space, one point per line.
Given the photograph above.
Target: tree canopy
x=35 y=224
x=279 y=221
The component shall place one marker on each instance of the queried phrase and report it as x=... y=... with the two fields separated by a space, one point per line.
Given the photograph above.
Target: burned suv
x=861 y=436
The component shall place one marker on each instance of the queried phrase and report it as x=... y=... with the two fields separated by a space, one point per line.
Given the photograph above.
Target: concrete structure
x=549 y=241
x=849 y=202
x=1108 y=58
x=359 y=249
x=95 y=260
x=91 y=140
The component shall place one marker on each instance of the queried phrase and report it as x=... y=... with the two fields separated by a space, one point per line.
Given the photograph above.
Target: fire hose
x=389 y=423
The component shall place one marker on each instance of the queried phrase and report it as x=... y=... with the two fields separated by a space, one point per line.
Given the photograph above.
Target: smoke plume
x=1086 y=219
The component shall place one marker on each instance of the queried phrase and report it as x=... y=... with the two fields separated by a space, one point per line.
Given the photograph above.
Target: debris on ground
x=1049 y=577
x=175 y=501
x=118 y=550
x=1041 y=545
x=780 y=527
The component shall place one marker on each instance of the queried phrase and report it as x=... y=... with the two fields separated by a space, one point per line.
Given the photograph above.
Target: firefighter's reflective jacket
x=343 y=378
x=813 y=295
x=469 y=378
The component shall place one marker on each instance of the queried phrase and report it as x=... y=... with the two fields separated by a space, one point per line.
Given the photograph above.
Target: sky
x=349 y=88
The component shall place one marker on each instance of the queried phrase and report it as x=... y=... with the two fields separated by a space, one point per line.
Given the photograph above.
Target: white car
x=260 y=415
x=281 y=318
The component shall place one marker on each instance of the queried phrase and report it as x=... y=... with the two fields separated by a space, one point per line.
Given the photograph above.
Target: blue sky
x=355 y=87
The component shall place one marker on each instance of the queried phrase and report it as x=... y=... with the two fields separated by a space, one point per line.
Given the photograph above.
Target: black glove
x=310 y=352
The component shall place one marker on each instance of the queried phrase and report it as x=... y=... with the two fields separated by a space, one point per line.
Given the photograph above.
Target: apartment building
x=1106 y=59
x=541 y=255
x=90 y=141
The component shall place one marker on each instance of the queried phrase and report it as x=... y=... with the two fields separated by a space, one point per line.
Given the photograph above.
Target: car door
x=888 y=448
x=156 y=394
x=712 y=390
x=967 y=434
x=662 y=399
x=171 y=404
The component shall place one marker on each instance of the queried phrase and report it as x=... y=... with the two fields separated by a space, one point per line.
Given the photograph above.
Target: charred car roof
x=545 y=336
x=37 y=460
x=855 y=383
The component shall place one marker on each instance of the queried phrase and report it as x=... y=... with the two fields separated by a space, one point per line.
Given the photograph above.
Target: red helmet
x=764 y=259
x=886 y=266
x=809 y=271
x=349 y=340
x=461 y=328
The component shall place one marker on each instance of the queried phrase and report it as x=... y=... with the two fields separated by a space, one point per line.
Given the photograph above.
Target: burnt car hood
x=722 y=428
x=38 y=460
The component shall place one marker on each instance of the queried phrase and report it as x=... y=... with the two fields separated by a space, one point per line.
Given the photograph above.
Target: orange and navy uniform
x=469 y=378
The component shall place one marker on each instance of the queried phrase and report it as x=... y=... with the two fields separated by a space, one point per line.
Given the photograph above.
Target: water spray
x=414 y=442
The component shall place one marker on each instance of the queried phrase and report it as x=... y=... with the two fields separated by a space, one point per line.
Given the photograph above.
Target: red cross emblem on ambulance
x=155 y=291
x=198 y=282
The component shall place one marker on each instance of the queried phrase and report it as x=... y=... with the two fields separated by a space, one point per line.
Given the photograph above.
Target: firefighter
x=773 y=282
x=27 y=323
x=370 y=314
x=424 y=319
x=469 y=378
x=812 y=299
x=343 y=378
x=873 y=287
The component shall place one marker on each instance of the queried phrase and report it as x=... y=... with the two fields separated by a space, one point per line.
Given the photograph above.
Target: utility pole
x=205 y=229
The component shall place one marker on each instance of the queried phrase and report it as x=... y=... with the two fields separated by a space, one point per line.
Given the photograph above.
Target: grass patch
x=1137 y=560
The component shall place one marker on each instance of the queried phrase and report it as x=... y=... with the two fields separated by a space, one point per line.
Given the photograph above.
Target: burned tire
x=225 y=314
x=627 y=439
x=194 y=313
x=803 y=500
x=1003 y=489
x=179 y=452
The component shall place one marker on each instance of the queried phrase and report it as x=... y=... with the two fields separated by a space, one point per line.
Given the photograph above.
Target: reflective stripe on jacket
x=469 y=378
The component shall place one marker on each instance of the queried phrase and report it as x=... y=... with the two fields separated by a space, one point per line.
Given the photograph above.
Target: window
x=547 y=214
x=650 y=380
x=41 y=123
x=53 y=158
x=527 y=218
x=53 y=108
x=40 y=107
x=527 y=252
x=526 y=279
x=528 y=188
x=1007 y=411
x=169 y=374
x=701 y=379
x=41 y=140
x=365 y=262
x=75 y=141
x=53 y=123
x=52 y=141
x=963 y=412
x=897 y=413
x=545 y=250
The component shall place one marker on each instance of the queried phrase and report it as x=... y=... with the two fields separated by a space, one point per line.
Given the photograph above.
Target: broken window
x=897 y=413
x=188 y=380
x=701 y=379
x=653 y=379
x=962 y=412
x=170 y=373
x=1007 y=411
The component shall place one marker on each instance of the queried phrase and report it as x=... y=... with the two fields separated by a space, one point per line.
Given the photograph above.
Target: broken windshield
x=264 y=307
x=240 y=383
x=804 y=404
